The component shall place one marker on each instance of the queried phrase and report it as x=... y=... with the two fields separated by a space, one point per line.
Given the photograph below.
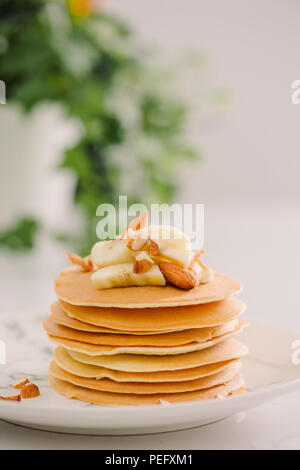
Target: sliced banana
x=184 y=257
x=203 y=275
x=166 y=235
x=207 y=275
x=122 y=275
x=117 y=258
x=172 y=243
x=111 y=252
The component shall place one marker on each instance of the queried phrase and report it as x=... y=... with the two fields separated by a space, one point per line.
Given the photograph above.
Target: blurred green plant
x=132 y=126
x=21 y=236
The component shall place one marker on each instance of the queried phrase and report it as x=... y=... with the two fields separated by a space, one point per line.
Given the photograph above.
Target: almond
x=30 y=391
x=238 y=391
x=144 y=255
x=19 y=382
x=197 y=258
x=163 y=402
x=138 y=223
x=85 y=263
x=136 y=244
x=178 y=276
x=153 y=248
x=203 y=273
x=11 y=398
x=142 y=266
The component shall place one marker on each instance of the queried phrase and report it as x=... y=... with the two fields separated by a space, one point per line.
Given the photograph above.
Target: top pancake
x=75 y=287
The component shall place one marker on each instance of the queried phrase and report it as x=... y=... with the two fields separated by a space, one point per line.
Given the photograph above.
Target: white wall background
x=249 y=179
x=253 y=48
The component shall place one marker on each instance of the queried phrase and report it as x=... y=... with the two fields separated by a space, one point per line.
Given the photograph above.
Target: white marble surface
x=255 y=244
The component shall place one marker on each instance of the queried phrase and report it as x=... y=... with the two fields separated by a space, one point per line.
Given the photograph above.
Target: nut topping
x=178 y=276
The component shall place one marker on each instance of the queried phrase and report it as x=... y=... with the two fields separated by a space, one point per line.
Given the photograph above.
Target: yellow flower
x=80 y=7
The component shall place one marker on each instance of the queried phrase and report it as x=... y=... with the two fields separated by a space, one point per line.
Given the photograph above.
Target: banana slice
x=207 y=276
x=203 y=275
x=172 y=243
x=108 y=253
x=122 y=275
x=184 y=257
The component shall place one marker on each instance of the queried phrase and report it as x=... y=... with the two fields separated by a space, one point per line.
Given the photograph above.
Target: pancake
x=229 y=349
x=75 y=287
x=69 y=390
x=199 y=335
x=141 y=388
x=61 y=318
x=99 y=350
x=67 y=363
x=160 y=318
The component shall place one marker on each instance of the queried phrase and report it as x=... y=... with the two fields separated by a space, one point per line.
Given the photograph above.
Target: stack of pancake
x=145 y=345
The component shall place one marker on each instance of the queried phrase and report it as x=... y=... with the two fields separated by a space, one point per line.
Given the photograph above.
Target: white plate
x=268 y=370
